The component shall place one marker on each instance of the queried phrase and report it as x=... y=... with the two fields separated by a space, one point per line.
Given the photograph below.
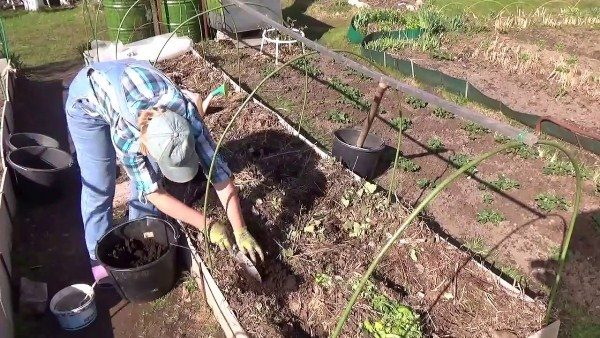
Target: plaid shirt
x=143 y=89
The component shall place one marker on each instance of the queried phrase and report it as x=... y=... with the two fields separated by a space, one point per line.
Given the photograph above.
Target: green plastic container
x=175 y=12
x=137 y=24
x=353 y=35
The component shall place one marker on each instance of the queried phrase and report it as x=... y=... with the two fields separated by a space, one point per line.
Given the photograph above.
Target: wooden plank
x=6 y=311
x=5 y=234
x=214 y=297
x=9 y=118
x=8 y=192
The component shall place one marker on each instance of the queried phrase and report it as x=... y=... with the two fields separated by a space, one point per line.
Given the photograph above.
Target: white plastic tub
x=74 y=306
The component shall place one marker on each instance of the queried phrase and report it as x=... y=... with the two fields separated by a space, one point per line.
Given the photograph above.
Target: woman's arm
x=228 y=196
x=173 y=207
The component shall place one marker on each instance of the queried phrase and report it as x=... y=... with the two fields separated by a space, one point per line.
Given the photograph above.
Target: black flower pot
x=362 y=161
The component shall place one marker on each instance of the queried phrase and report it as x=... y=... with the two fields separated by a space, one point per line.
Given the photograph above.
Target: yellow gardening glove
x=218 y=236
x=247 y=244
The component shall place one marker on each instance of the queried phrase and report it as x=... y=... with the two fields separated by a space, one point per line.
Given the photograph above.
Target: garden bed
x=503 y=212
x=321 y=229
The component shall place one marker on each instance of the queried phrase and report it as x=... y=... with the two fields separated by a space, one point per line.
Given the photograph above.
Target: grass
x=435 y=144
x=490 y=216
x=549 y=202
x=407 y=165
x=402 y=123
x=504 y=183
x=46 y=36
x=337 y=116
x=458 y=160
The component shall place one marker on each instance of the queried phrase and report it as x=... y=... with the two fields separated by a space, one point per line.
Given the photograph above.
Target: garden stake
x=565 y=244
x=372 y=114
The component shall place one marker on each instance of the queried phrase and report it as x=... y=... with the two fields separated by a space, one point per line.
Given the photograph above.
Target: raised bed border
x=458 y=86
x=223 y=309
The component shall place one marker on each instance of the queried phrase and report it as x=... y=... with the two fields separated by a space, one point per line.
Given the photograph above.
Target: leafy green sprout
x=337 y=116
x=402 y=123
x=441 y=113
x=306 y=65
x=395 y=319
x=350 y=94
x=425 y=183
x=549 y=202
x=477 y=245
x=503 y=183
x=407 y=165
x=490 y=216
x=269 y=68
x=415 y=102
x=515 y=274
x=458 y=160
x=435 y=144
x=475 y=130
x=324 y=280
x=488 y=198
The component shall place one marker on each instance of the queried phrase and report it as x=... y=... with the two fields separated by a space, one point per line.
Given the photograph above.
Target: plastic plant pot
x=362 y=161
x=21 y=140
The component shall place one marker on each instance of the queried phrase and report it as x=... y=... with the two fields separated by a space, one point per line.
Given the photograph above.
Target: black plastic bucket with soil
x=39 y=171
x=362 y=161
x=21 y=140
x=139 y=256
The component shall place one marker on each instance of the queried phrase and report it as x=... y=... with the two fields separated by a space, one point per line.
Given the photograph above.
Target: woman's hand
x=248 y=245
x=219 y=236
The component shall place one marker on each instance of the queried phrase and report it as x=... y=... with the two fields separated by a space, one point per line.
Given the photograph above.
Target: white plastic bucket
x=74 y=306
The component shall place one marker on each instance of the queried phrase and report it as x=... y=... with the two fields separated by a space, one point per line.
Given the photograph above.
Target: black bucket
x=39 y=171
x=147 y=282
x=21 y=140
x=362 y=161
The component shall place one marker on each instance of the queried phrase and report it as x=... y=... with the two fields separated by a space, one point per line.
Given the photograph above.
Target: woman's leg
x=97 y=163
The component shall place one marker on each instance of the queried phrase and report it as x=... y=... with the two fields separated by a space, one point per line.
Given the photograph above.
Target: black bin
x=147 y=282
x=39 y=171
x=21 y=140
x=362 y=161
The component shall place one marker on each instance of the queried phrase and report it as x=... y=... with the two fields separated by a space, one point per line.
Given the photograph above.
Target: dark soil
x=132 y=253
x=291 y=200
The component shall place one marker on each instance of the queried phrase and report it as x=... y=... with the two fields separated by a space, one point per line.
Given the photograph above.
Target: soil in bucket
x=132 y=253
x=72 y=301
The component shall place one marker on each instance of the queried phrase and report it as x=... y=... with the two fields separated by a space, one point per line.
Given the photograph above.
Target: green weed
x=396 y=320
x=323 y=280
x=459 y=160
x=425 y=183
x=189 y=283
x=504 y=183
x=407 y=165
x=523 y=151
x=475 y=130
x=477 y=245
x=435 y=144
x=499 y=138
x=350 y=95
x=307 y=66
x=415 y=103
x=488 y=198
x=269 y=68
x=517 y=275
x=550 y=202
x=564 y=168
x=337 y=116
x=402 y=123
x=490 y=216
x=441 y=113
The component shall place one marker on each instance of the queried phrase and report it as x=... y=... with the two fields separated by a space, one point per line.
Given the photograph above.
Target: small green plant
x=488 y=198
x=504 y=183
x=549 y=202
x=402 y=123
x=490 y=216
x=458 y=99
x=396 y=320
x=523 y=151
x=415 y=103
x=475 y=130
x=407 y=165
x=189 y=283
x=441 y=113
x=435 y=144
x=517 y=275
x=564 y=168
x=477 y=245
x=337 y=116
x=501 y=138
x=458 y=160
x=306 y=65
x=324 y=280
x=268 y=70
x=425 y=183
x=350 y=95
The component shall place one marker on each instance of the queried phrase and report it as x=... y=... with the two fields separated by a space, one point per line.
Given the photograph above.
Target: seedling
x=323 y=280
x=488 y=198
x=396 y=320
x=523 y=151
x=501 y=138
x=504 y=183
x=425 y=183
x=477 y=245
x=564 y=168
x=458 y=160
x=407 y=165
x=490 y=216
x=415 y=103
x=441 y=113
x=517 y=276
x=550 y=202
x=402 y=123
x=268 y=70
x=350 y=94
x=475 y=130
x=190 y=284
x=306 y=65
x=435 y=144
x=337 y=116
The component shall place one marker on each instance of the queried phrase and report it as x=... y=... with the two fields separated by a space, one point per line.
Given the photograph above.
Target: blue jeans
x=97 y=162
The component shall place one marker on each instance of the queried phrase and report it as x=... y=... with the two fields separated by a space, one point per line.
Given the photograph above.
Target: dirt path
x=49 y=245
